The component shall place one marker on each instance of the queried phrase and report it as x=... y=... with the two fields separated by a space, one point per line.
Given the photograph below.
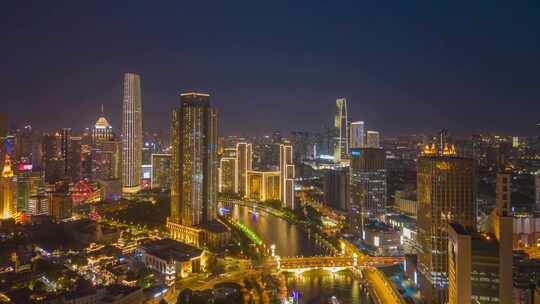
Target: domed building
x=102 y=130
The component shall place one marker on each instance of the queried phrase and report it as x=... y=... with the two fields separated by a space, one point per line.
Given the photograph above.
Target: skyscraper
x=228 y=172
x=131 y=133
x=7 y=189
x=194 y=171
x=65 y=149
x=244 y=158
x=446 y=191
x=373 y=139
x=368 y=181
x=357 y=135
x=341 y=126
x=537 y=190
x=286 y=166
x=161 y=171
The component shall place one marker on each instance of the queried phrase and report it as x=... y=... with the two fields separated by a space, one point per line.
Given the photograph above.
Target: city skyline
x=425 y=81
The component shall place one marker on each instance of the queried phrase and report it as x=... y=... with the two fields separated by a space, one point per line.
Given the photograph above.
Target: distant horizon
x=404 y=68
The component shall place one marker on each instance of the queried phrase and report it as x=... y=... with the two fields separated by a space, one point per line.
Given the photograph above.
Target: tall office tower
x=23 y=144
x=286 y=168
x=3 y=133
x=161 y=171
x=52 y=160
x=368 y=182
x=102 y=130
x=28 y=185
x=65 y=149
x=244 y=158
x=373 y=139
x=7 y=189
x=75 y=159
x=337 y=189
x=357 y=135
x=341 y=127
x=446 y=192
x=132 y=137
x=194 y=168
x=537 y=190
x=106 y=161
x=474 y=265
x=228 y=172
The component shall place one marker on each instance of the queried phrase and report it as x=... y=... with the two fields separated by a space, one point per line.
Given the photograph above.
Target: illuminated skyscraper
x=286 y=167
x=341 y=126
x=132 y=137
x=373 y=139
x=7 y=189
x=357 y=135
x=194 y=171
x=245 y=162
x=228 y=172
x=161 y=171
x=368 y=181
x=446 y=191
x=65 y=149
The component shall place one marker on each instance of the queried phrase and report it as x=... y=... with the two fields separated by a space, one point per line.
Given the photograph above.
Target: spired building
x=102 y=130
x=446 y=191
x=7 y=189
x=341 y=126
x=194 y=179
x=132 y=137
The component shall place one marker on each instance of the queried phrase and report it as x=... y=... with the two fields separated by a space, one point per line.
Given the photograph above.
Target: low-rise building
x=170 y=258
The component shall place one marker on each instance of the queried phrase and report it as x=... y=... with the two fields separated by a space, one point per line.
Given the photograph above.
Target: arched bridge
x=331 y=263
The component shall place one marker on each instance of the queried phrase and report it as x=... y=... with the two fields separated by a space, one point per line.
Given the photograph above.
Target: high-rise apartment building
x=373 y=139
x=244 y=158
x=161 y=171
x=368 y=181
x=480 y=265
x=228 y=172
x=537 y=191
x=286 y=167
x=132 y=137
x=446 y=192
x=357 y=135
x=194 y=172
x=337 y=189
x=341 y=127
x=65 y=149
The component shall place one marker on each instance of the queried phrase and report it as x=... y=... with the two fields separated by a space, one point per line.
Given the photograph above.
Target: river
x=312 y=287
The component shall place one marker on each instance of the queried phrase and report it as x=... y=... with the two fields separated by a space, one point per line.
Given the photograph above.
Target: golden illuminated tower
x=131 y=133
x=7 y=189
x=446 y=189
x=102 y=130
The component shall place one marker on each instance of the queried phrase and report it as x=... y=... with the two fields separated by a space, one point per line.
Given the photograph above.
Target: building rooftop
x=169 y=249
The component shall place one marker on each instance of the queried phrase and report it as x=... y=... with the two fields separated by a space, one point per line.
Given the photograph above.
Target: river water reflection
x=290 y=239
x=312 y=287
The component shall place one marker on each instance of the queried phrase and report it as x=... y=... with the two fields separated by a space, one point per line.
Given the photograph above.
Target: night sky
x=404 y=67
